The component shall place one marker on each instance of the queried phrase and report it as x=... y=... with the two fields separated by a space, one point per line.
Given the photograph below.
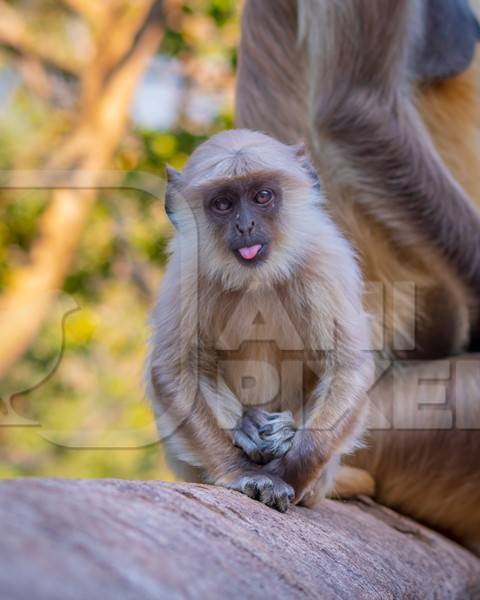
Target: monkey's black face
x=243 y=211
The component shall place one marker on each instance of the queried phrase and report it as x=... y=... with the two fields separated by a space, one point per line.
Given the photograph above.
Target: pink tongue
x=251 y=252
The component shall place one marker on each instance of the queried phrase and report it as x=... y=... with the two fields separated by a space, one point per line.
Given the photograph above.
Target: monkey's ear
x=174 y=179
x=300 y=150
x=173 y=176
x=302 y=155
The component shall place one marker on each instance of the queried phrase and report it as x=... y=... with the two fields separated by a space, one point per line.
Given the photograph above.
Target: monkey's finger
x=285 y=416
x=285 y=498
x=282 y=504
x=257 y=416
x=251 y=430
x=282 y=421
x=284 y=433
x=275 y=449
x=242 y=441
x=266 y=496
x=250 y=488
x=254 y=486
x=251 y=449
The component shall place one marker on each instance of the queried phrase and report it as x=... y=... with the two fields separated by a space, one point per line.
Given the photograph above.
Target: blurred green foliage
x=79 y=388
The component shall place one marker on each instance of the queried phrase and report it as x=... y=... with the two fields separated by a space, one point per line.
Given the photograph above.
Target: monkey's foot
x=340 y=483
x=263 y=435
x=268 y=489
x=350 y=482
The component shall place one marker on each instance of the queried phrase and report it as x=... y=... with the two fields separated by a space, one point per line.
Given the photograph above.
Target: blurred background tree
x=95 y=97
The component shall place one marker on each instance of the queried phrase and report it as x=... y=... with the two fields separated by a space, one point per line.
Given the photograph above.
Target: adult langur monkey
x=385 y=93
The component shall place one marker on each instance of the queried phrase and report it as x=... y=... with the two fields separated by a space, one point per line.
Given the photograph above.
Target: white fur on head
x=301 y=222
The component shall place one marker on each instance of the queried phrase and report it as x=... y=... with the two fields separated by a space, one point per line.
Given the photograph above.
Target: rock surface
x=79 y=540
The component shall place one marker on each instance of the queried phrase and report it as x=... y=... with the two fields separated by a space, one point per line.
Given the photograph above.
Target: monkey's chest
x=262 y=354
x=253 y=373
x=261 y=374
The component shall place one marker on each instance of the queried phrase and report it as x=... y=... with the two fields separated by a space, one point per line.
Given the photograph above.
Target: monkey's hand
x=265 y=487
x=263 y=435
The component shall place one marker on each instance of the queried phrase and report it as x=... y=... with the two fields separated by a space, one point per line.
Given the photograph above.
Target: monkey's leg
x=199 y=439
x=263 y=435
x=374 y=130
x=333 y=424
x=427 y=464
x=340 y=483
x=181 y=469
x=349 y=482
x=249 y=436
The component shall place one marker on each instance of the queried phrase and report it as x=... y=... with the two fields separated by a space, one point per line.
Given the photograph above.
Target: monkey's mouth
x=251 y=254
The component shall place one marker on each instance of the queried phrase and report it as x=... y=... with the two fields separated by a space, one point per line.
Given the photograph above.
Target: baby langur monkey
x=259 y=361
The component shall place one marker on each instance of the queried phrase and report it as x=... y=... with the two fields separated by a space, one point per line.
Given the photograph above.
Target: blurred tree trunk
x=126 y=35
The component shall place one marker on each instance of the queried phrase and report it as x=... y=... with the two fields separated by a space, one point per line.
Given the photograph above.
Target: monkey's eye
x=222 y=205
x=263 y=196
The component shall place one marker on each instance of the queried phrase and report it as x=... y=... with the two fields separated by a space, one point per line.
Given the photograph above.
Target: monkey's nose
x=245 y=228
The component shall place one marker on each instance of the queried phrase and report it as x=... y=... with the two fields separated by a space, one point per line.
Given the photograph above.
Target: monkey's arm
x=182 y=383
x=265 y=436
x=333 y=422
x=185 y=409
x=331 y=425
